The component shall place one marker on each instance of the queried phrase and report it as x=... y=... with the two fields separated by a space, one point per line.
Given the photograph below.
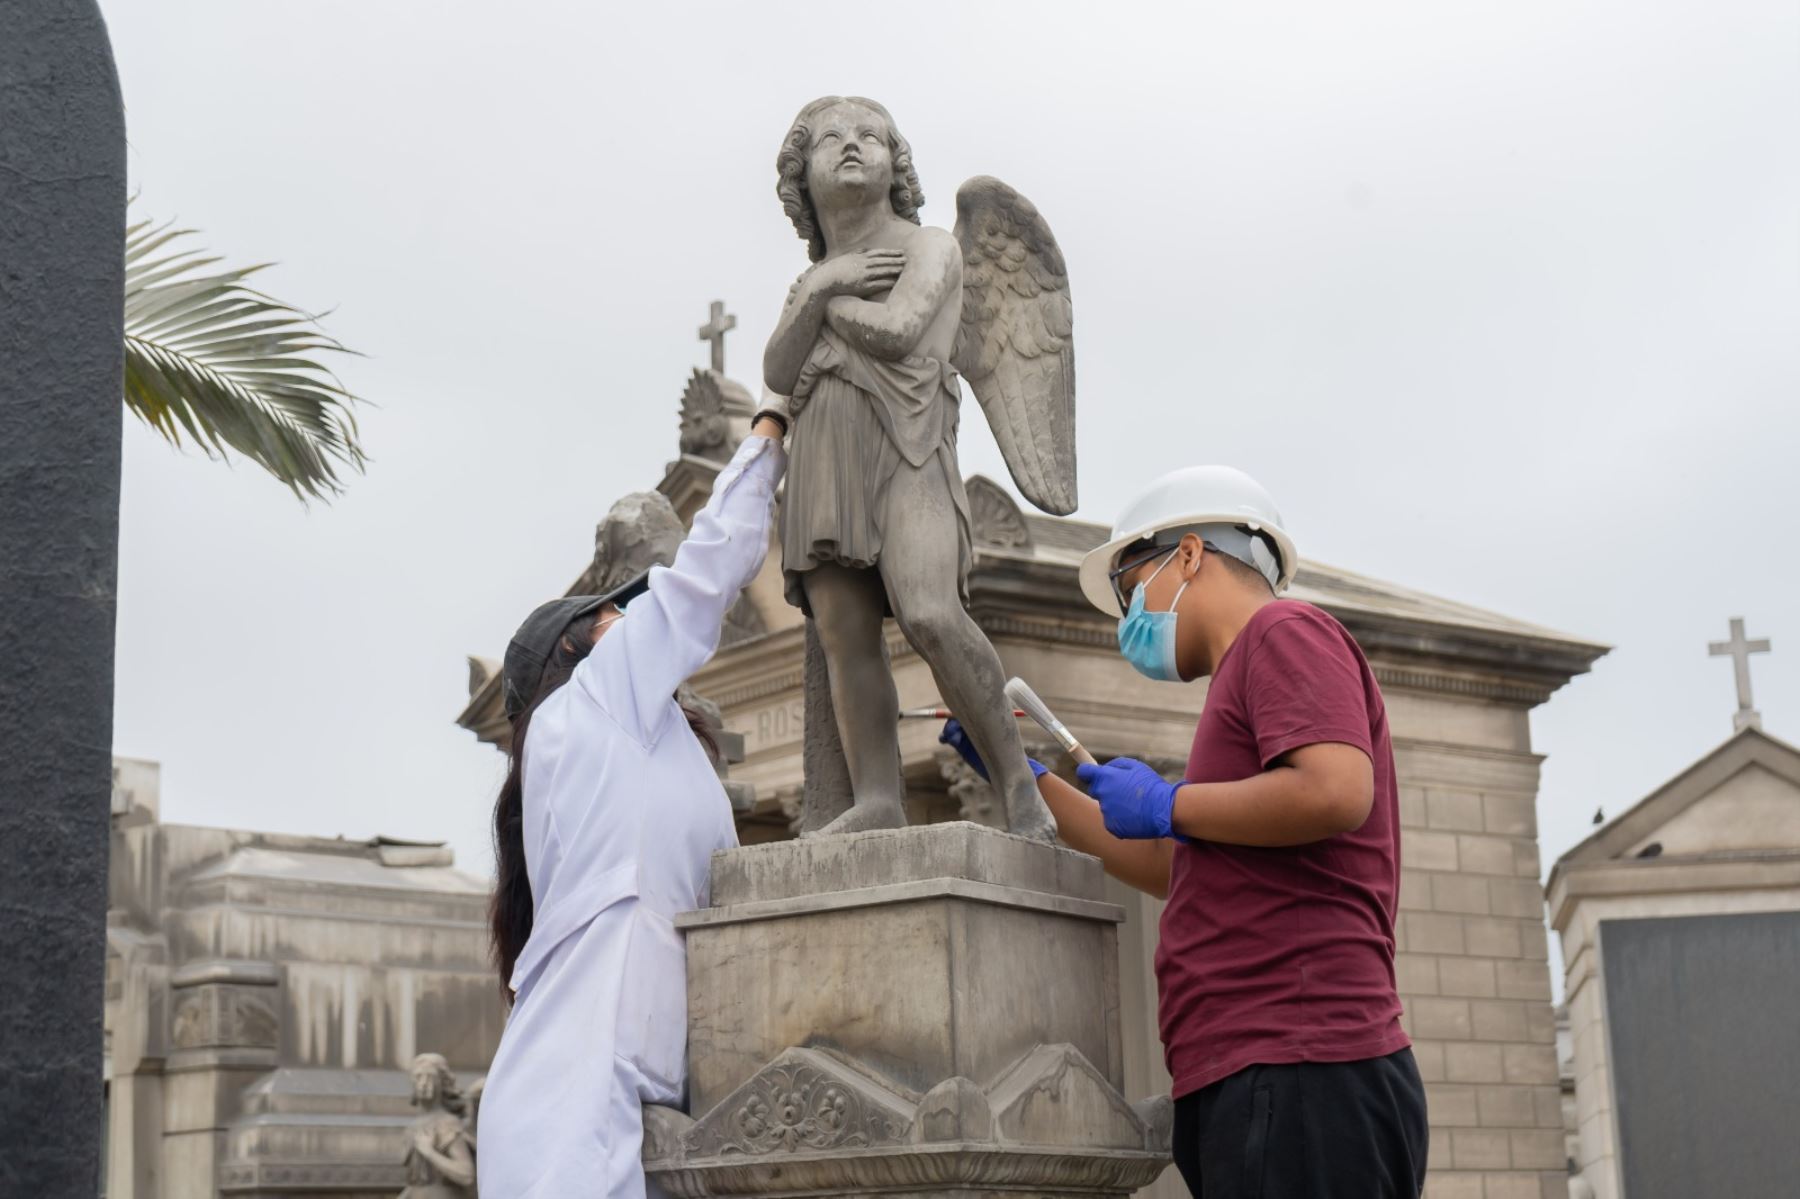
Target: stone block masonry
x=1473 y=973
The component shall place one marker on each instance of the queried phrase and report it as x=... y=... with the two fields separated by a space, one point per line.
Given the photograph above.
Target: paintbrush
x=1020 y=692
x=937 y=713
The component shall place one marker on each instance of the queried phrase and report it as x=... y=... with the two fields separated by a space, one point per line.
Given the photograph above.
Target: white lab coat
x=622 y=813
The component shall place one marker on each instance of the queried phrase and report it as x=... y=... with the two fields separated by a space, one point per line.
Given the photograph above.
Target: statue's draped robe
x=422 y=1177
x=858 y=420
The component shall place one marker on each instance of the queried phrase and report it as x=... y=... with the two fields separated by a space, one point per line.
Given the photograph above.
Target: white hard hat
x=1193 y=495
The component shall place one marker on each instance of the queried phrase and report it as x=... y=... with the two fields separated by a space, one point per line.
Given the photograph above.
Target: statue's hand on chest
x=860 y=274
x=437 y=1134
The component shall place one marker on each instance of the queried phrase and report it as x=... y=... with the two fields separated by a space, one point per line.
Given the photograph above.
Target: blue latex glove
x=957 y=738
x=1135 y=801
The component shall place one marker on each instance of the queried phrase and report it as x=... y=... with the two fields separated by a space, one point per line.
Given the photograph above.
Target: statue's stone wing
x=472 y=1098
x=1015 y=346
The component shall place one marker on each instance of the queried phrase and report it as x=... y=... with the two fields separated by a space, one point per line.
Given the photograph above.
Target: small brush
x=937 y=713
x=1020 y=692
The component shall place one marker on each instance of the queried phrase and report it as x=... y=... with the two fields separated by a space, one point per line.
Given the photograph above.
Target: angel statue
x=440 y=1151
x=868 y=349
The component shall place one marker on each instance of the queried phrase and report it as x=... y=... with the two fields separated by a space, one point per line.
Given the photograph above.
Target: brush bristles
x=1020 y=692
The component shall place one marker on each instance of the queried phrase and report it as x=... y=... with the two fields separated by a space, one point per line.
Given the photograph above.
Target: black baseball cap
x=535 y=641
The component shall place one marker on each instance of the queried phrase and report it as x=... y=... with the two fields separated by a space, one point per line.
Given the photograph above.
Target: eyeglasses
x=1113 y=576
x=1125 y=568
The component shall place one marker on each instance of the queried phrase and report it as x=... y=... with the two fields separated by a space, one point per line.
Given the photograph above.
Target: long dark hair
x=510 y=910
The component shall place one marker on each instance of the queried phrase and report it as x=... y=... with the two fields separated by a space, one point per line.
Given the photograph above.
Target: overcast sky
x=1500 y=300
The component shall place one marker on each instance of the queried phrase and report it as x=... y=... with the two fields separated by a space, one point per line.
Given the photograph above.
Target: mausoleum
x=265 y=995
x=1680 y=927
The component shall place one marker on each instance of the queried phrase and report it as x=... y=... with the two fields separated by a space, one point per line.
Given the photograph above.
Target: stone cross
x=1738 y=649
x=714 y=330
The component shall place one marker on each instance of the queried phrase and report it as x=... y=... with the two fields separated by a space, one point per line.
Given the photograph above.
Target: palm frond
x=229 y=367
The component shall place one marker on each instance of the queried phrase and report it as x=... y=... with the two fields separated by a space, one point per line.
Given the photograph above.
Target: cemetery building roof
x=1067 y=540
x=1729 y=821
x=364 y=870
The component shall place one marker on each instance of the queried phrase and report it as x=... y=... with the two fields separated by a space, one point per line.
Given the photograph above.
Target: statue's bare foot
x=866 y=815
x=1027 y=816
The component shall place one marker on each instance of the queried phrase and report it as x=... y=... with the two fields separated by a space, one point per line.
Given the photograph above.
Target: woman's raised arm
x=671 y=630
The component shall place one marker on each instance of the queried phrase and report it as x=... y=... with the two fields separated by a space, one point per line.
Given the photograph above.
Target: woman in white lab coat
x=604 y=829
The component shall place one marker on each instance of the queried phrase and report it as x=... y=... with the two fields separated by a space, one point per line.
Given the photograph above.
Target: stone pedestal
x=928 y=1011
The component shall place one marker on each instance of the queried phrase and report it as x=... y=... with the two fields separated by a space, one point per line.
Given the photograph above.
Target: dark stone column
x=62 y=220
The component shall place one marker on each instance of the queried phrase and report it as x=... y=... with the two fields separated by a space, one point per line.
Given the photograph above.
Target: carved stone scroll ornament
x=791 y=802
x=705 y=427
x=973 y=795
x=996 y=518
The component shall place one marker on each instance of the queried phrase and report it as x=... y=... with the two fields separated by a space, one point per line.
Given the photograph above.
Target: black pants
x=1315 y=1130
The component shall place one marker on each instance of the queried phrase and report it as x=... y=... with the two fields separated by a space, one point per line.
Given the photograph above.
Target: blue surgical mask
x=1147 y=639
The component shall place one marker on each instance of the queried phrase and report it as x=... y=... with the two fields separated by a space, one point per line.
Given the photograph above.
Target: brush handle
x=1079 y=752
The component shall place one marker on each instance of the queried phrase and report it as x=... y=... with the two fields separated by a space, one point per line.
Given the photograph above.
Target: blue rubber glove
x=1135 y=801
x=957 y=738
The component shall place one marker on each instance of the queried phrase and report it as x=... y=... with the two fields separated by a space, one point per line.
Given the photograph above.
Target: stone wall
x=1473 y=969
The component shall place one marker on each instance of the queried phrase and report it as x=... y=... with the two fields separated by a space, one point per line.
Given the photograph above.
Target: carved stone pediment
x=996 y=518
x=805 y=1101
x=1054 y=1096
x=814 y=1123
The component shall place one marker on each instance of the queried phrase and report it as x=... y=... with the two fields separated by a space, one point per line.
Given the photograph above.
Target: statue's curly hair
x=449 y=1093
x=905 y=194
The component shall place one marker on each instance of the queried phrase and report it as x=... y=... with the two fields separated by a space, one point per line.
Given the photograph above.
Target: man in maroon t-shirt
x=1279 y=856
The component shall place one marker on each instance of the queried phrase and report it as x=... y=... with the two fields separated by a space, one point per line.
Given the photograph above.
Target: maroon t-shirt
x=1271 y=956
